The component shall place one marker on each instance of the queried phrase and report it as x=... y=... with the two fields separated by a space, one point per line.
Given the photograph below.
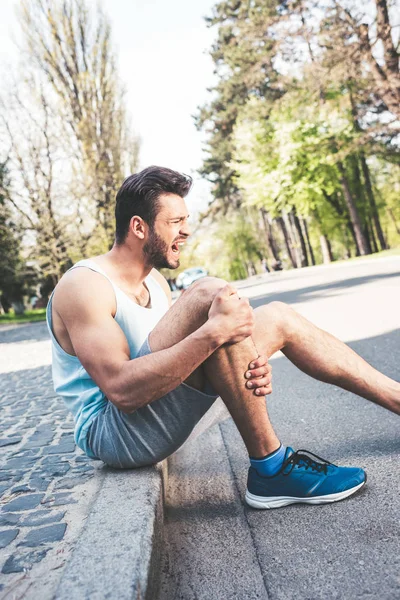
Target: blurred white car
x=189 y=276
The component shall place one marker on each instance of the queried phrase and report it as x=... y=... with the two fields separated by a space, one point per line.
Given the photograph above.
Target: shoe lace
x=306 y=459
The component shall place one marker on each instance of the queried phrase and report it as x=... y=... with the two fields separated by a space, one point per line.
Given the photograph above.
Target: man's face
x=170 y=230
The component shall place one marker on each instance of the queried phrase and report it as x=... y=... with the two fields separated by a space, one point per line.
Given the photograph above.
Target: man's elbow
x=122 y=406
x=121 y=398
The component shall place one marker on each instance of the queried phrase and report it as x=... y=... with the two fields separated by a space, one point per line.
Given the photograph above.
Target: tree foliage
x=16 y=278
x=66 y=129
x=305 y=108
x=70 y=44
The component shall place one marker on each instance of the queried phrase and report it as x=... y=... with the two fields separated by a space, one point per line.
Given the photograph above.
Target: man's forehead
x=172 y=204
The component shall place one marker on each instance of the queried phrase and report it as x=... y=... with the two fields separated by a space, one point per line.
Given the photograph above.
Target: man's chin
x=168 y=264
x=175 y=264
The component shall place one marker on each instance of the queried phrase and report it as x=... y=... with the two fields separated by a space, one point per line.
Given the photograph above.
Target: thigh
x=151 y=433
x=188 y=313
x=184 y=317
x=272 y=322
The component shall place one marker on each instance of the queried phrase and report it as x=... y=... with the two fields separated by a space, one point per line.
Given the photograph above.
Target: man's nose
x=185 y=229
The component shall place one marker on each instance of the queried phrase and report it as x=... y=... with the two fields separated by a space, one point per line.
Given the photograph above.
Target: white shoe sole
x=278 y=501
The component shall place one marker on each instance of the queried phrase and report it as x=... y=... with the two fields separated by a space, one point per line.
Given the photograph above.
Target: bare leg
x=226 y=369
x=321 y=355
x=314 y=351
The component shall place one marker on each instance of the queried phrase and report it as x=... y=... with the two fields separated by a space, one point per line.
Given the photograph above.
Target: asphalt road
x=216 y=548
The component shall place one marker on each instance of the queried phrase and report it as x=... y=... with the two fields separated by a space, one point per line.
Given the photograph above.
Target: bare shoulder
x=82 y=291
x=163 y=282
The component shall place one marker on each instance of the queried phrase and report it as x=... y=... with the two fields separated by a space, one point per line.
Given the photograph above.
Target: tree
x=15 y=278
x=36 y=191
x=242 y=246
x=69 y=141
x=362 y=48
x=245 y=68
x=297 y=117
x=70 y=45
x=297 y=161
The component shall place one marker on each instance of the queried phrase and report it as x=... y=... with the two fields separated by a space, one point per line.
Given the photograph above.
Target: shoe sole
x=279 y=501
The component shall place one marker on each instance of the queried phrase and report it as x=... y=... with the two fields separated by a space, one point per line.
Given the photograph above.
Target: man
x=138 y=374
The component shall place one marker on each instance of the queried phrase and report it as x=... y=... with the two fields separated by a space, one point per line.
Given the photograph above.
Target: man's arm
x=258 y=375
x=85 y=302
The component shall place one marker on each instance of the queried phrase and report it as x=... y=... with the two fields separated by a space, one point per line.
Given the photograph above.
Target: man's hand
x=232 y=317
x=259 y=376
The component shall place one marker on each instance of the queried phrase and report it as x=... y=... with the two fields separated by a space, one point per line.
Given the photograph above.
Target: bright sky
x=162 y=50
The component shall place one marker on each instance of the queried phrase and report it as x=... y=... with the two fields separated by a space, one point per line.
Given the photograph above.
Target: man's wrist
x=212 y=333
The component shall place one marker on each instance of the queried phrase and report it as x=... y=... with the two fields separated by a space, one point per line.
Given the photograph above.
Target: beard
x=156 y=251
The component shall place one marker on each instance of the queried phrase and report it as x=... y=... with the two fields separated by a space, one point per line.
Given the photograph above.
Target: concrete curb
x=119 y=552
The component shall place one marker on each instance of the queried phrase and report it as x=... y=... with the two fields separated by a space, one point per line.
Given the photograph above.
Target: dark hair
x=139 y=194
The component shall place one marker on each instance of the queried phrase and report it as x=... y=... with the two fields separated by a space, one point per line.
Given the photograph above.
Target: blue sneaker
x=304 y=477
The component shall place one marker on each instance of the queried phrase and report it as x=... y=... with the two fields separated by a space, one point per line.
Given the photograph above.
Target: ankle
x=269 y=465
x=262 y=445
x=261 y=448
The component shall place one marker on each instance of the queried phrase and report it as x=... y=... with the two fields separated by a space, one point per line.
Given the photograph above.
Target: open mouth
x=176 y=247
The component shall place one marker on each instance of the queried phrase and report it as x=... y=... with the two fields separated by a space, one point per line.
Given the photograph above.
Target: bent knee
x=206 y=288
x=275 y=311
x=209 y=283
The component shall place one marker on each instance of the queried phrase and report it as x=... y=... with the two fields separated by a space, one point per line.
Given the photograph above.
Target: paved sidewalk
x=46 y=484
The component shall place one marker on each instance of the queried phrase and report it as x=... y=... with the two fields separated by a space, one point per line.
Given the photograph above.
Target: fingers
x=258 y=362
x=260 y=382
x=259 y=376
x=254 y=373
x=261 y=387
x=263 y=369
x=264 y=391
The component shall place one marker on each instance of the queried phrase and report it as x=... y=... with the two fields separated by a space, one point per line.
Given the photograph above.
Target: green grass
x=29 y=316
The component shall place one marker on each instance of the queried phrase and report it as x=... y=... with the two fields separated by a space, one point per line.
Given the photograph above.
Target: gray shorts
x=153 y=432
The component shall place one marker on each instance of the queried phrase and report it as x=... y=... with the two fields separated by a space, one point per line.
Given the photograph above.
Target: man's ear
x=138 y=227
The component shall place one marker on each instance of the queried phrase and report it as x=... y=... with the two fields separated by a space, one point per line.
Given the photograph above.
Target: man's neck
x=126 y=265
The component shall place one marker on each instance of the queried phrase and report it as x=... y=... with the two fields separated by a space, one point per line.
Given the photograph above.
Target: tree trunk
x=346 y=231
x=367 y=179
x=367 y=234
x=18 y=307
x=323 y=240
x=5 y=304
x=283 y=227
x=251 y=268
x=359 y=193
x=372 y=203
x=294 y=245
x=326 y=249
x=354 y=216
x=374 y=245
x=307 y=236
x=270 y=235
x=303 y=258
x=334 y=201
x=391 y=213
x=350 y=228
x=387 y=76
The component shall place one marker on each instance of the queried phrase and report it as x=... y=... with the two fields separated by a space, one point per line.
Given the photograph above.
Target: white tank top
x=72 y=382
x=135 y=321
